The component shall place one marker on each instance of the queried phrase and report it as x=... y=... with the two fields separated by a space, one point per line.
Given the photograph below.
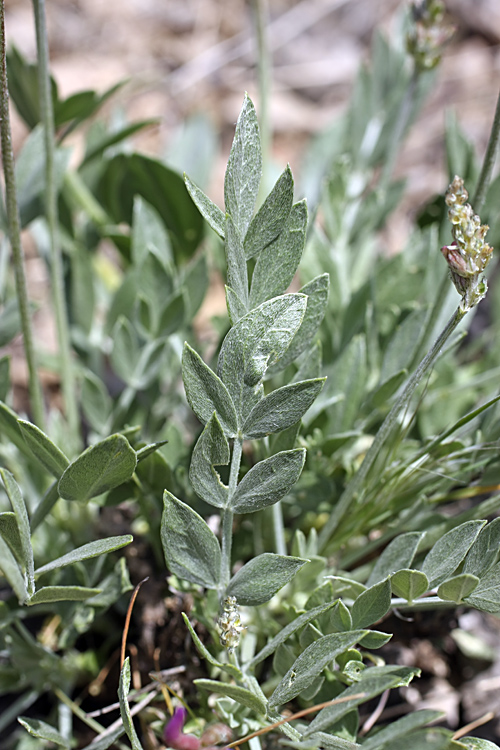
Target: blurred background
x=197 y=57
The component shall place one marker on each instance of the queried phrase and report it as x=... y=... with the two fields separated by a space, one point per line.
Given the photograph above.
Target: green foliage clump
x=341 y=489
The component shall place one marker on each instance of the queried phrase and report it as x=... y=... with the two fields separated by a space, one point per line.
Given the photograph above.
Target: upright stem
x=227 y=517
x=14 y=226
x=264 y=65
x=489 y=161
x=279 y=529
x=356 y=483
x=57 y=278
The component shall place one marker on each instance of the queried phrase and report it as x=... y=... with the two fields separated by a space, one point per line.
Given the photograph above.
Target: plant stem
x=227 y=518
x=279 y=529
x=489 y=161
x=264 y=66
x=356 y=484
x=14 y=228
x=57 y=277
x=426 y=602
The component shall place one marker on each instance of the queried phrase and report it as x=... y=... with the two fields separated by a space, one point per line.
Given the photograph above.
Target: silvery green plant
x=332 y=622
x=269 y=330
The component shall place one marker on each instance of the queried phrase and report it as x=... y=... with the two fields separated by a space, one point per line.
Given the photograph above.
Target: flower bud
x=469 y=254
x=230 y=624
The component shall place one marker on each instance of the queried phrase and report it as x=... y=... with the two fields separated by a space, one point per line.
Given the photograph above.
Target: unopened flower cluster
x=230 y=624
x=428 y=33
x=469 y=254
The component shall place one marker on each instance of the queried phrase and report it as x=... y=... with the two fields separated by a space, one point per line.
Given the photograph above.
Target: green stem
x=57 y=277
x=14 y=229
x=489 y=162
x=227 y=518
x=356 y=484
x=264 y=66
x=427 y=602
x=279 y=529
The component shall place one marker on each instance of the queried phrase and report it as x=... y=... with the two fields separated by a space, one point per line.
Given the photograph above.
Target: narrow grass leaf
x=43 y=731
x=244 y=168
x=19 y=507
x=277 y=263
x=123 y=691
x=206 y=393
x=397 y=555
x=50 y=594
x=237 y=693
x=42 y=447
x=268 y=481
x=282 y=408
x=289 y=630
x=87 y=552
x=258 y=581
x=310 y=663
x=449 y=551
x=191 y=549
x=372 y=604
x=271 y=218
x=409 y=584
x=212 y=214
x=211 y=450
x=100 y=468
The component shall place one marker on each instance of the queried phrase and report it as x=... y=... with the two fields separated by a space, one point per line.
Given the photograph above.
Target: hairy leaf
x=244 y=169
x=277 y=263
x=268 y=481
x=409 y=584
x=282 y=408
x=310 y=663
x=257 y=581
x=206 y=392
x=372 y=604
x=272 y=216
x=212 y=214
x=449 y=551
x=211 y=449
x=98 y=469
x=190 y=547
x=42 y=447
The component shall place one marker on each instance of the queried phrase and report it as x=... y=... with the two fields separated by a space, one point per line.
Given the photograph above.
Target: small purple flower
x=173 y=735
